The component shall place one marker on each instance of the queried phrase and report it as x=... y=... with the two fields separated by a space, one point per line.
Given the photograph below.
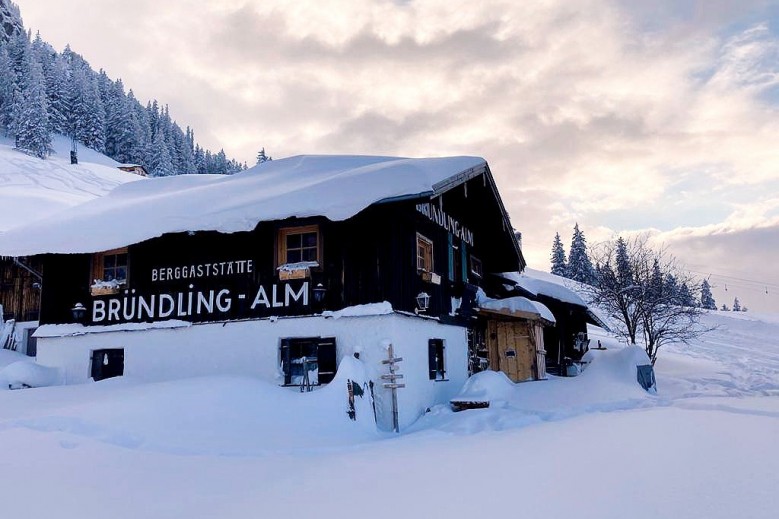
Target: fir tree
x=262 y=157
x=30 y=126
x=707 y=300
x=736 y=305
x=685 y=296
x=7 y=88
x=161 y=163
x=558 y=257
x=624 y=270
x=671 y=289
x=579 y=265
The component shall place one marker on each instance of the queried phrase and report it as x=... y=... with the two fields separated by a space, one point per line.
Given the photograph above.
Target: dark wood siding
x=20 y=289
x=368 y=258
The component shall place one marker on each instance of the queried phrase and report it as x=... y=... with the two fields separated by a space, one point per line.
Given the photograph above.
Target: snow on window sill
x=299 y=270
x=103 y=288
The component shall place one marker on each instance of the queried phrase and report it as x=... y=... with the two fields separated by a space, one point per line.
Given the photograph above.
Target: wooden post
x=392 y=385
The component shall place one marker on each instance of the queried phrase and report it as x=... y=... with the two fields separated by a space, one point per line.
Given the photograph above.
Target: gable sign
x=447 y=222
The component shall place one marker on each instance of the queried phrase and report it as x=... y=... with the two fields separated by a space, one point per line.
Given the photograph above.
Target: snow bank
x=26 y=373
x=225 y=416
x=9 y=357
x=18 y=370
x=596 y=445
x=336 y=187
x=491 y=386
x=33 y=189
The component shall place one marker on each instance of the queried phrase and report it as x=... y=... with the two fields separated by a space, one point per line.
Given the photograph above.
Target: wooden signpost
x=393 y=385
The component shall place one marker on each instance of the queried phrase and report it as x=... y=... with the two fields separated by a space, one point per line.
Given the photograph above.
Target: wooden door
x=512 y=349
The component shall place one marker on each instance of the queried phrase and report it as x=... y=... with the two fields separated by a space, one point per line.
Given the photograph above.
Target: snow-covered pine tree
x=685 y=296
x=161 y=163
x=725 y=308
x=579 y=265
x=6 y=88
x=624 y=270
x=122 y=128
x=185 y=160
x=87 y=115
x=220 y=163
x=707 y=300
x=262 y=157
x=558 y=256
x=736 y=305
x=30 y=125
x=655 y=286
x=56 y=76
x=200 y=159
x=19 y=51
x=671 y=288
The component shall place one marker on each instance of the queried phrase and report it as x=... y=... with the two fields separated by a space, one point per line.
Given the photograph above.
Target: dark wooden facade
x=20 y=288
x=561 y=340
x=370 y=257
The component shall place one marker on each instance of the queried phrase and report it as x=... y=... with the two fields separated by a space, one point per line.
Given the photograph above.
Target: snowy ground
x=594 y=446
x=31 y=188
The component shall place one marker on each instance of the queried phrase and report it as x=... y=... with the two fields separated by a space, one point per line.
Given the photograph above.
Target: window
x=298 y=244
x=435 y=355
x=476 y=266
x=107 y=363
x=110 y=266
x=424 y=254
x=308 y=361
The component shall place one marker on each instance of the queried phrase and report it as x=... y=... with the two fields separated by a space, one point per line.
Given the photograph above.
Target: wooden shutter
x=327 y=359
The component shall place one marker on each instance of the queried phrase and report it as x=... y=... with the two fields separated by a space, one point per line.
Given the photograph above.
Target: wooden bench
x=462 y=405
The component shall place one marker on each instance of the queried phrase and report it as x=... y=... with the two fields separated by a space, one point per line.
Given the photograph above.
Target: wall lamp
x=319 y=293
x=79 y=311
x=423 y=301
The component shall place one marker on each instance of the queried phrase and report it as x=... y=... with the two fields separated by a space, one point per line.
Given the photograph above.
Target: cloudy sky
x=618 y=115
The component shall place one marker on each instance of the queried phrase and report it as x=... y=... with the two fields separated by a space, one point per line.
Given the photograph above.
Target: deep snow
x=593 y=446
x=32 y=189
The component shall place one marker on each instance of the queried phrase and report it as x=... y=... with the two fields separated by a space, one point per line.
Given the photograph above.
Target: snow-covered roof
x=518 y=305
x=32 y=189
x=336 y=187
x=540 y=283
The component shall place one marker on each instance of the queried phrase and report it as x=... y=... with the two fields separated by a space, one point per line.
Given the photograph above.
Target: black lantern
x=79 y=312
x=319 y=293
x=423 y=301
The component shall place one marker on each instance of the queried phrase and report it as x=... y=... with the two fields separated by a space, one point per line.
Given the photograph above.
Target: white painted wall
x=251 y=348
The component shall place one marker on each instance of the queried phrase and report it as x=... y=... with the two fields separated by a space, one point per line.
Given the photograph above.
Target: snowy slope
x=337 y=187
x=32 y=189
x=593 y=446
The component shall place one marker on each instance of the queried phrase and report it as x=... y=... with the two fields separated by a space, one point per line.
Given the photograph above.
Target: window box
x=109 y=272
x=430 y=277
x=107 y=288
x=300 y=270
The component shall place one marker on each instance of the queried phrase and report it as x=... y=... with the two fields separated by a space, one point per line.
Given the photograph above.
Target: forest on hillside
x=43 y=92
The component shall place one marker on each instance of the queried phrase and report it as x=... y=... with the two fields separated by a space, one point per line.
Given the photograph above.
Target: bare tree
x=615 y=290
x=640 y=288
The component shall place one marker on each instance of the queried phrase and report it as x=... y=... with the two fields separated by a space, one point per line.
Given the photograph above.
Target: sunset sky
x=618 y=115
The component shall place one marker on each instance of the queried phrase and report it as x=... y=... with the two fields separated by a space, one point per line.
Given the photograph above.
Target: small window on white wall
x=107 y=363
x=436 y=362
x=308 y=361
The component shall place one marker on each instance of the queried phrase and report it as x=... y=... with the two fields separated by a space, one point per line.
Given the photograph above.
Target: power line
x=753 y=281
